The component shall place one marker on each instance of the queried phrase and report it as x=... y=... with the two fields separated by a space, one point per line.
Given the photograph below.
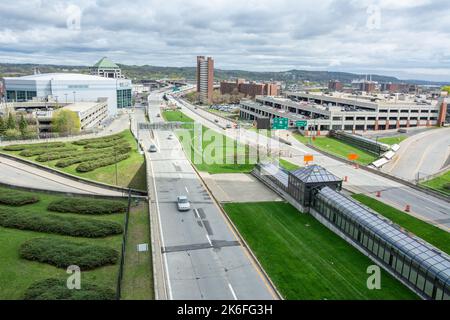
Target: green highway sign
x=280 y=123
x=301 y=123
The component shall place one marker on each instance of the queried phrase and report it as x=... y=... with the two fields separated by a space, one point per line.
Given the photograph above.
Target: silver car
x=183 y=203
x=152 y=148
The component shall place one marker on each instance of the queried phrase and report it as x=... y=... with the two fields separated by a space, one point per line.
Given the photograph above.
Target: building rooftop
x=81 y=106
x=60 y=77
x=315 y=174
x=105 y=63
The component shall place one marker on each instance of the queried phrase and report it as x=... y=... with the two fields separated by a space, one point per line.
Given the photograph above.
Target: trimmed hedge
x=16 y=198
x=54 y=223
x=87 y=206
x=63 y=253
x=103 y=162
x=38 y=151
x=92 y=155
x=50 y=156
x=103 y=145
x=98 y=140
x=56 y=289
x=20 y=147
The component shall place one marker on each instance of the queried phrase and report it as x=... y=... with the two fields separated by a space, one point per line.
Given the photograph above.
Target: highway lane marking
x=232 y=291
x=209 y=240
x=161 y=232
x=185 y=188
x=196 y=213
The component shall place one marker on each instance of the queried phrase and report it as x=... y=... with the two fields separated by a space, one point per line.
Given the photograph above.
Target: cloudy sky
x=409 y=39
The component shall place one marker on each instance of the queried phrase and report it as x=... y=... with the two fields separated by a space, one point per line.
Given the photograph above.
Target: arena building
x=70 y=88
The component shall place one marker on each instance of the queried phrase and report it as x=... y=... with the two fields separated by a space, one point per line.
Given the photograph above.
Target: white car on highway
x=183 y=203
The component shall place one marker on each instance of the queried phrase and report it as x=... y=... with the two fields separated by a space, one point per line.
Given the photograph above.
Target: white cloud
x=252 y=35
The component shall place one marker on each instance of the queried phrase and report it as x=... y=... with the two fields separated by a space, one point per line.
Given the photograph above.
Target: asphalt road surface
x=203 y=257
x=421 y=155
x=16 y=173
x=423 y=206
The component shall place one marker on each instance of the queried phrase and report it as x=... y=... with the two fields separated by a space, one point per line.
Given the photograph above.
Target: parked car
x=170 y=137
x=228 y=126
x=158 y=115
x=183 y=203
x=216 y=121
x=152 y=148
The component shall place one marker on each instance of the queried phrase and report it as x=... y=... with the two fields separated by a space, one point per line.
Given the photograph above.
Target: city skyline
x=393 y=38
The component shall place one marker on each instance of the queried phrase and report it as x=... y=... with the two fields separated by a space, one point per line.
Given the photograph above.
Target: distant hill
x=153 y=72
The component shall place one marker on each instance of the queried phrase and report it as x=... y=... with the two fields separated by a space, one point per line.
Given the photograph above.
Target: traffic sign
x=301 y=123
x=280 y=123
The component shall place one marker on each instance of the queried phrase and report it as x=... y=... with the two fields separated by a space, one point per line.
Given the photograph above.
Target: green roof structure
x=105 y=63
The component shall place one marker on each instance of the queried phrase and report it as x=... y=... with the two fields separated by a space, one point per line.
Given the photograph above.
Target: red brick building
x=335 y=85
x=251 y=89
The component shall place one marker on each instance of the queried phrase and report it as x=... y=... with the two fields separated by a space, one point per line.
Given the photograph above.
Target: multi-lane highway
x=203 y=258
x=423 y=206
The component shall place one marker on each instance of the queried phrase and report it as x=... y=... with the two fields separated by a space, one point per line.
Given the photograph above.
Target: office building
x=335 y=85
x=70 y=88
x=107 y=69
x=250 y=89
x=205 y=78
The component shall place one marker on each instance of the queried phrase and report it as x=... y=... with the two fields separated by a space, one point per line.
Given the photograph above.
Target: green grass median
x=218 y=147
x=440 y=184
x=338 y=148
x=305 y=259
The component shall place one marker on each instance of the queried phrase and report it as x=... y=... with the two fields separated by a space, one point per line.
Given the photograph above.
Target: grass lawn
x=392 y=140
x=305 y=259
x=138 y=280
x=219 y=144
x=434 y=235
x=441 y=183
x=338 y=148
x=18 y=274
x=131 y=171
x=289 y=166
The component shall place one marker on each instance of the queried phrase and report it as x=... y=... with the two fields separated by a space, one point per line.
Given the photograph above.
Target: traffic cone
x=378 y=194
x=408 y=208
x=345 y=179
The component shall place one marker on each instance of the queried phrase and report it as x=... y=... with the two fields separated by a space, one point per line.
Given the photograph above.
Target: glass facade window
x=124 y=99
x=10 y=96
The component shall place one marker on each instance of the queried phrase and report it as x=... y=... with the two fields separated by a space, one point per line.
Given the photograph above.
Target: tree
x=11 y=124
x=23 y=125
x=12 y=133
x=2 y=126
x=65 y=121
x=447 y=89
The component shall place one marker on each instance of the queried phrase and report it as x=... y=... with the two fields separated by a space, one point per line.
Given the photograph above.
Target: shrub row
x=102 y=145
x=98 y=140
x=103 y=162
x=54 y=223
x=50 y=156
x=64 y=253
x=93 y=155
x=87 y=206
x=20 y=147
x=16 y=198
x=38 y=151
x=56 y=289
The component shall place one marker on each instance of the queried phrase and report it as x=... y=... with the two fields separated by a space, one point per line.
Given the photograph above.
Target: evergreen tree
x=11 y=124
x=23 y=125
x=2 y=125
